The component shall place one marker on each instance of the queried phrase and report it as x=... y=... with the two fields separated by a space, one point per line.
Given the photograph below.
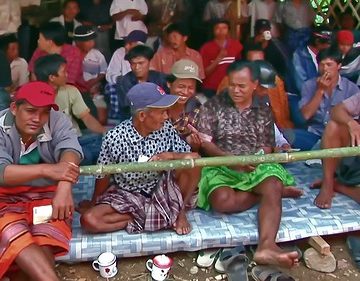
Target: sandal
x=206 y=258
x=353 y=244
x=225 y=257
x=267 y=273
x=236 y=268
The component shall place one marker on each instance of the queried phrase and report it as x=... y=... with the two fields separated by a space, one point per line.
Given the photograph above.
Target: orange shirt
x=165 y=57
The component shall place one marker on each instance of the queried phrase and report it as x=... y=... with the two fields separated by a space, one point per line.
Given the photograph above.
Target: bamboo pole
x=220 y=161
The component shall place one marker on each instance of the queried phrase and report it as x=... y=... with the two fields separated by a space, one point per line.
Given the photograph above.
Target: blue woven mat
x=300 y=219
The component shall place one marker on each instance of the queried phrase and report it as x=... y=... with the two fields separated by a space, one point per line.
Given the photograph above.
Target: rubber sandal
x=206 y=258
x=225 y=257
x=353 y=244
x=236 y=268
x=267 y=273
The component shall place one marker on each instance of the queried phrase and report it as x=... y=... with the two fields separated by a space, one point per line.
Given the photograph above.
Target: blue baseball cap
x=149 y=95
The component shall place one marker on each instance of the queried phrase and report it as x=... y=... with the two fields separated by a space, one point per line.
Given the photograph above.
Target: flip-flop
x=225 y=257
x=353 y=244
x=236 y=268
x=267 y=273
x=206 y=258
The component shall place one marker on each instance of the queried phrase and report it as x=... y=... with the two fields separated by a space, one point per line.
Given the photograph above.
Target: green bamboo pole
x=220 y=161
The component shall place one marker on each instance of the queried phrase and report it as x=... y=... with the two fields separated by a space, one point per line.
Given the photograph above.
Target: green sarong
x=215 y=177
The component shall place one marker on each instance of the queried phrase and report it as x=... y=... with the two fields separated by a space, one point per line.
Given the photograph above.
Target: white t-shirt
x=118 y=66
x=94 y=63
x=126 y=25
x=280 y=140
x=19 y=72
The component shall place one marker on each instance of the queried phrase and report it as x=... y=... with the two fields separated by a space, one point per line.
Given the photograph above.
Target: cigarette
x=73 y=164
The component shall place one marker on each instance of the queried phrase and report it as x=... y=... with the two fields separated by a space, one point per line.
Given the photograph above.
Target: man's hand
x=162 y=156
x=194 y=141
x=354 y=130
x=62 y=171
x=136 y=15
x=244 y=168
x=84 y=206
x=324 y=82
x=221 y=55
x=63 y=204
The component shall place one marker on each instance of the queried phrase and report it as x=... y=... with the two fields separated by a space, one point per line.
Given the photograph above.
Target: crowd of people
x=83 y=98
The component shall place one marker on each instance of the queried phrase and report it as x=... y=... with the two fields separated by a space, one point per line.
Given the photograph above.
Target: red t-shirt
x=209 y=51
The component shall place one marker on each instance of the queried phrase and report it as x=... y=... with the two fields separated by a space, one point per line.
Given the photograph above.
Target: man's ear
x=339 y=66
x=51 y=78
x=186 y=38
x=13 y=108
x=168 y=84
x=256 y=82
x=142 y=115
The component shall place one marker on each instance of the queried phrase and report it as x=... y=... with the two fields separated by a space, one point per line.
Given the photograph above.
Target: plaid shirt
x=74 y=61
x=112 y=97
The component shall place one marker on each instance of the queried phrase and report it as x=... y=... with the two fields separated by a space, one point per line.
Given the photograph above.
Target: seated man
x=5 y=81
x=341 y=131
x=119 y=66
x=139 y=58
x=183 y=115
x=52 y=69
x=318 y=96
x=238 y=124
x=143 y=201
x=39 y=157
x=175 y=49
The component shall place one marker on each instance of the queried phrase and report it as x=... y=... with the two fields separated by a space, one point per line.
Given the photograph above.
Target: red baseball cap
x=345 y=37
x=38 y=94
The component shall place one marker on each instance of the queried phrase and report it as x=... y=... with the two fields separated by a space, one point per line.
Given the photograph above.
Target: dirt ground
x=134 y=268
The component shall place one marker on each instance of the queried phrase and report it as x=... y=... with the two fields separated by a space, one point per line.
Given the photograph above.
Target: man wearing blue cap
x=143 y=201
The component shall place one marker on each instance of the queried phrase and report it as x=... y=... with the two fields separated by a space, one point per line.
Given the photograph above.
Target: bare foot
x=324 y=199
x=182 y=225
x=316 y=184
x=277 y=257
x=291 y=192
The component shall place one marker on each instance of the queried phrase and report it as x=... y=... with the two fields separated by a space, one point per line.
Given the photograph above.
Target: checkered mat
x=300 y=219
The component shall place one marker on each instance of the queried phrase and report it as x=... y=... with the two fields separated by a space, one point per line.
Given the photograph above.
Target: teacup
x=159 y=267
x=106 y=265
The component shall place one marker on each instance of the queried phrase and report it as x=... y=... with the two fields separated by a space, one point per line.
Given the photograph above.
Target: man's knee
x=221 y=200
x=272 y=187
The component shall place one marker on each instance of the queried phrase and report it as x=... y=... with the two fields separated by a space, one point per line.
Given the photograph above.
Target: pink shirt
x=164 y=59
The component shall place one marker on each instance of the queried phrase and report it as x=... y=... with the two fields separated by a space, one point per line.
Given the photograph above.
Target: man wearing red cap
x=38 y=165
x=350 y=66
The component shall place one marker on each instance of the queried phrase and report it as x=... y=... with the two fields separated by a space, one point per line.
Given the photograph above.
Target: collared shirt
x=165 y=57
x=343 y=90
x=125 y=83
x=235 y=131
x=126 y=24
x=55 y=137
x=313 y=57
x=74 y=61
x=118 y=66
x=124 y=144
x=352 y=105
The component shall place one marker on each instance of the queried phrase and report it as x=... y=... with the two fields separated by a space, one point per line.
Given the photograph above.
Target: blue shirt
x=343 y=90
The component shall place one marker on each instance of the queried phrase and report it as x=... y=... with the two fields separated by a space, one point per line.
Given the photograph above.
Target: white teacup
x=106 y=265
x=159 y=267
